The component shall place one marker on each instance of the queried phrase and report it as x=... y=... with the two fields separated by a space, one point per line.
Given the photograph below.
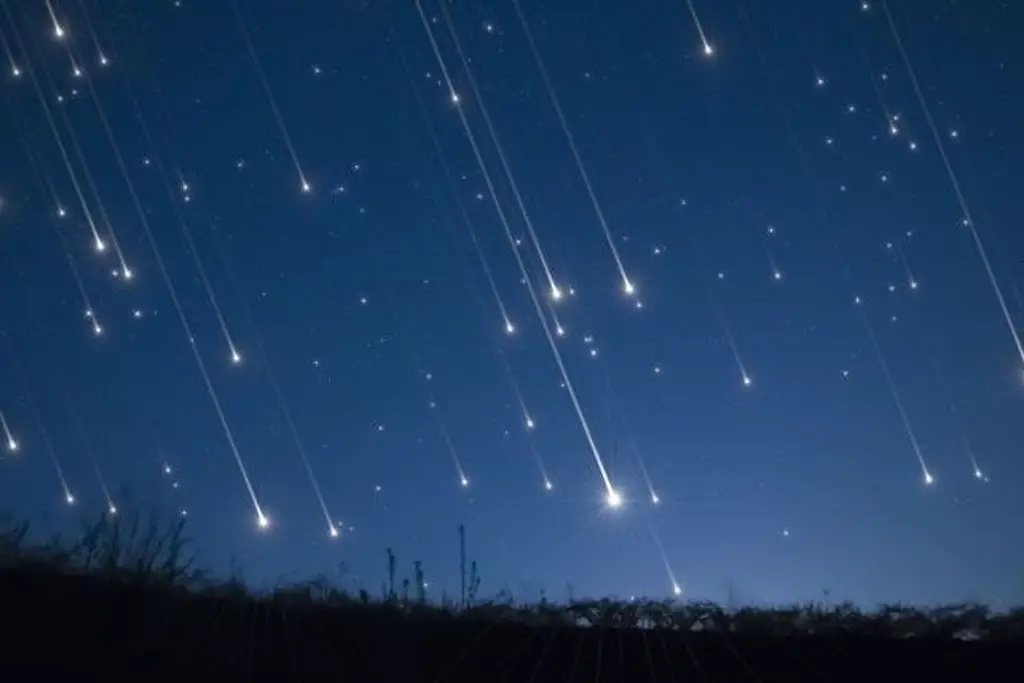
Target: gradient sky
x=365 y=303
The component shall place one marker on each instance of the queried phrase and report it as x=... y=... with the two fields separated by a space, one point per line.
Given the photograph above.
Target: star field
x=668 y=298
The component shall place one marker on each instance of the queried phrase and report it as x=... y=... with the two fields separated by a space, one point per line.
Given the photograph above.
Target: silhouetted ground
x=107 y=630
x=124 y=603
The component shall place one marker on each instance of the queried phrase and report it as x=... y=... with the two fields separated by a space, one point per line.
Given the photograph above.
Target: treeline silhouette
x=125 y=601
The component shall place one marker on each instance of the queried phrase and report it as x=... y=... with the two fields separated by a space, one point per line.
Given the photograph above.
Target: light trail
x=627 y=284
x=965 y=212
x=555 y=292
x=613 y=498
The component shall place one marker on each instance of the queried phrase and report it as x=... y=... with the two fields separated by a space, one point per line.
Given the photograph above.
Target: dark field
x=105 y=609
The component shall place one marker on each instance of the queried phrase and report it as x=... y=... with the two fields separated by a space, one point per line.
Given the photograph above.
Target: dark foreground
x=103 y=630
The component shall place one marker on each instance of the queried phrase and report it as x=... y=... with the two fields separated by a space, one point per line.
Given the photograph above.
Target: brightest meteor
x=708 y=48
x=11 y=442
x=58 y=30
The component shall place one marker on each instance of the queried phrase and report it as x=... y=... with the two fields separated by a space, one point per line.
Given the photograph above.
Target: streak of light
x=616 y=407
x=234 y=356
x=47 y=182
x=304 y=184
x=98 y=242
x=723 y=319
x=101 y=55
x=300 y=448
x=10 y=442
x=126 y=271
x=90 y=453
x=263 y=521
x=926 y=473
x=332 y=530
x=90 y=312
x=59 y=32
x=708 y=48
x=609 y=488
x=508 y=326
x=677 y=589
x=555 y=292
x=12 y=63
x=955 y=182
x=527 y=420
x=628 y=287
x=43 y=431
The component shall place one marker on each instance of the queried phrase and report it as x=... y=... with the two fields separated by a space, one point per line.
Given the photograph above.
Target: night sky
x=765 y=247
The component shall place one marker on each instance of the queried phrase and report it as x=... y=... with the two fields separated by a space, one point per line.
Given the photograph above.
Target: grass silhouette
x=126 y=601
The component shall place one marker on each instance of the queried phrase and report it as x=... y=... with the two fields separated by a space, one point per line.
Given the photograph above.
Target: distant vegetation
x=143 y=570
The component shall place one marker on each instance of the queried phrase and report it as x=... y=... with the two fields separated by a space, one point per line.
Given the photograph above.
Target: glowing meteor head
x=708 y=49
x=912 y=146
x=12 y=446
x=776 y=275
x=978 y=474
x=15 y=71
x=112 y=509
x=530 y=424
x=560 y=331
x=893 y=129
x=464 y=482
x=127 y=273
x=100 y=245
x=104 y=61
x=97 y=329
x=263 y=522
x=333 y=531
x=548 y=486
x=820 y=82
x=613 y=499
x=509 y=327
x=236 y=357
x=628 y=288
x=69 y=498
x=677 y=590
x=455 y=97
x=556 y=293
x=77 y=72
x=61 y=212
x=913 y=284
x=58 y=32
x=747 y=381
x=306 y=187
x=655 y=500
x=928 y=478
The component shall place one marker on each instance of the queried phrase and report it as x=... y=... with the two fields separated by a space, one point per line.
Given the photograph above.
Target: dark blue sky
x=366 y=305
